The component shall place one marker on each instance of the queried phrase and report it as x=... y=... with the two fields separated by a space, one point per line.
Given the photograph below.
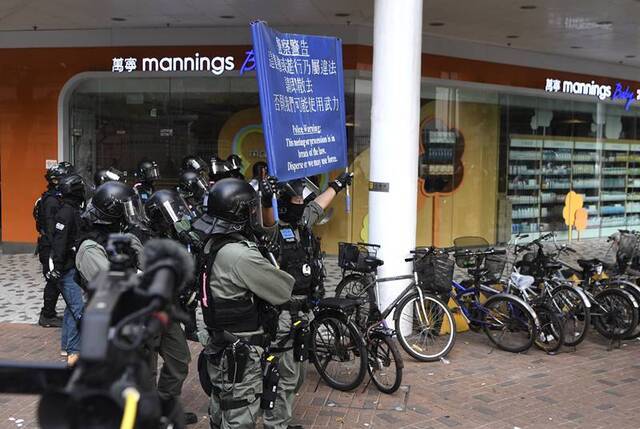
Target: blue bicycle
x=509 y=322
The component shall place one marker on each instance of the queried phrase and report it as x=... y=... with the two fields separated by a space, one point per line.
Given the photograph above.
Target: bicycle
x=337 y=349
x=570 y=302
x=613 y=307
x=551 y=335
x=424 y=325
x=508 y=321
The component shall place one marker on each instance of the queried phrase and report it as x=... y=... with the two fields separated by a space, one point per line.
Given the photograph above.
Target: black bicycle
x=424 y=325
x=337 y=350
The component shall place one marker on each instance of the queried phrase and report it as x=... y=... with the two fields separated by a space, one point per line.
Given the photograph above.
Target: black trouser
x=191 y=325
x=51 y=291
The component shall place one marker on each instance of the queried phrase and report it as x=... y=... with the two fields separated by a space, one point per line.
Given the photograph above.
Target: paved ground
x=476 y=387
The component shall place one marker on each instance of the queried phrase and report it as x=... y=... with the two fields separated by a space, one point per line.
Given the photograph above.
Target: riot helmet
x=234 y=166
x=195 y=164
x=113 y=203
x=232 y=200
x=103 y=175
x=72 y=186
x=219 y=169
x=294 y=196
x=192 y=185
x=164 y=209
x=58 y=171
x=148 y=171
x=234 y=162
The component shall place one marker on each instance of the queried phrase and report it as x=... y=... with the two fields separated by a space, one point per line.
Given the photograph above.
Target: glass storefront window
x=120 y=121
x=493 y=162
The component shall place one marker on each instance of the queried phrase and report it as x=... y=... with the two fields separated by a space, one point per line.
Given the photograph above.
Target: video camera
x=112 y=386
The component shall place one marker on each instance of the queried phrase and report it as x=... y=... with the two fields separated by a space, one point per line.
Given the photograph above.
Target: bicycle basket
x=627 y=245
x=354 y=256
x=495 y=264
x=435 y=272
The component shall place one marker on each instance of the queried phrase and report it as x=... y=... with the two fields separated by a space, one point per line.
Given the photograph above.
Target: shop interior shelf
x=526 y=173
x=606 y=174
x=556 y=173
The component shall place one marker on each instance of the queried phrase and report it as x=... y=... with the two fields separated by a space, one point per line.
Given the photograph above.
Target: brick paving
x=476 y=387
x=479 y=387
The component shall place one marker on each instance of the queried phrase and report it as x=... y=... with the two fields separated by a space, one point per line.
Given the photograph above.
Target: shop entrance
x=120 y=121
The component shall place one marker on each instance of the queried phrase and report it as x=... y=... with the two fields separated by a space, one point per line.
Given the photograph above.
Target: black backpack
x=38 y=211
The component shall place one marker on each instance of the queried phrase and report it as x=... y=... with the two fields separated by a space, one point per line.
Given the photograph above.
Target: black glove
x=267 y=186
x=341 y=182
x=53 y=275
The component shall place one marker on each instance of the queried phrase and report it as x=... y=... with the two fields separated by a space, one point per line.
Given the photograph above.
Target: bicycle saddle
x=552 y=266
x=589 y=264
x=373 y=262
x=340 y=303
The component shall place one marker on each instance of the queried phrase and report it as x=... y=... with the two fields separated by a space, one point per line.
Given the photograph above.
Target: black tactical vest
x=233 y=315
x=295 y=260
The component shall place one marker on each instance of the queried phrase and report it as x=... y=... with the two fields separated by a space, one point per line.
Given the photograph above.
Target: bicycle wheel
x=550 y=335
x=617 y=314
x=508 y=324
x=426 y=330
x=385 y=363
x=356 y=285
x=338 y=351
x=576 y=315
x=633 y=290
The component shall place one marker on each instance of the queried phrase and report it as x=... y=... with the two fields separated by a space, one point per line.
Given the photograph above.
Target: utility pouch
x=301 y=340
x=237 y=356
x=270 y=379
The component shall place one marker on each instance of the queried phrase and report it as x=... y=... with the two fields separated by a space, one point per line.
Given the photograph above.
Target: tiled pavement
x=589 y=387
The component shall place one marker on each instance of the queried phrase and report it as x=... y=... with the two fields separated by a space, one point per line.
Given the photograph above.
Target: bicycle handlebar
x=489 y=251
x=368 y=244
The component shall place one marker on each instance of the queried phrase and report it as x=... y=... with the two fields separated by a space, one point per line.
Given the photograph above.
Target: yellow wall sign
x=572 y=203
x=580 y=221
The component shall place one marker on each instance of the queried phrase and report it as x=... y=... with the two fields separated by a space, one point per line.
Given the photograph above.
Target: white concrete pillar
x=395 y=116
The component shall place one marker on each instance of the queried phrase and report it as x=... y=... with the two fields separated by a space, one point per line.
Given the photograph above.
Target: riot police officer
x=234 y=166
x=66 y=233
x=242 y=287
x=170 y=217
x=44 y=213
x=193 y=188
x=113 y=210
x=219 y=169
x=299 y=255
x=148 y=172
x=196 y=165
x=103 y=175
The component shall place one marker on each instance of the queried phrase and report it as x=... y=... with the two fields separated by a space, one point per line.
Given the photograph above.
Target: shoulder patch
x=249 y=244
x=59 y=226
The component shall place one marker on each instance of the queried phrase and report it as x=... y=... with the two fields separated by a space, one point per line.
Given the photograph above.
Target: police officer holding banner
x=299 y=255
x=304 y=136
